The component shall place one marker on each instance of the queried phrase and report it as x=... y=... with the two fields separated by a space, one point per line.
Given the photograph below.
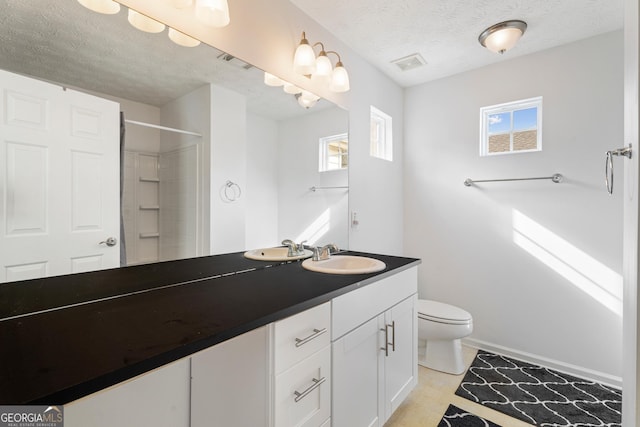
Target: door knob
x=111 y=241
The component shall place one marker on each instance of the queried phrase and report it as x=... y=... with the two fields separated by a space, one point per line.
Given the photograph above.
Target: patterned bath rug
x=538 y=395
x=456 y=417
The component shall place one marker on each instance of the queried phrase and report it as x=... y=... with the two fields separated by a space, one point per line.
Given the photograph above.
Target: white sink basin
x=345 y=264
x=275 y=254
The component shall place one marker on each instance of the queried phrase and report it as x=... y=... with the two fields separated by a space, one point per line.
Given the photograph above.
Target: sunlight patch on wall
x=586 y=273
x=318 y=228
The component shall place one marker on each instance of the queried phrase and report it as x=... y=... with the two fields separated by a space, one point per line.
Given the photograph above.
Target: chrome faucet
x=295 y=249
x=324 y=252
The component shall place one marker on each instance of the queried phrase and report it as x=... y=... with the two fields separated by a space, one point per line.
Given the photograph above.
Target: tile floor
x=435 y=391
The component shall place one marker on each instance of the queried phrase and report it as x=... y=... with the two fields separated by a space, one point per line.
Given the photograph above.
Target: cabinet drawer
x=355 y=308
x=303 y=392
x=299 y=336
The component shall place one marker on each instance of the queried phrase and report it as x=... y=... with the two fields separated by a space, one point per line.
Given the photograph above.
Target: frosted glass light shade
x=182 y=39
x=339 y=79
x=291 y=88
x=144 y=23
x=307 y=99
x=108 y=7
x=181 y=4
x=214 y=13
x=502 y=36
x=271 y=80
x=304 y=59
x=323 y=66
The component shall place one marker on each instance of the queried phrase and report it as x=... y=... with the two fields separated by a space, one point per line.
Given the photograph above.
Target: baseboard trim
x=578 y=371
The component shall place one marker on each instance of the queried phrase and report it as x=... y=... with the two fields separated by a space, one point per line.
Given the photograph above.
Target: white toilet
x=440 y=328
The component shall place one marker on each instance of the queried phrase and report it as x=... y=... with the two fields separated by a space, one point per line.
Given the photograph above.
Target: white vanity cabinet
x=156 y=398
x=374 y=350
x=302 y=369
x=230 y=382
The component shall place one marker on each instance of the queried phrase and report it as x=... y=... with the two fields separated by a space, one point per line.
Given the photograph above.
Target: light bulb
x=339 y=79
x=108 y=7
x=271 y=80
x=144 y=23
x=182 y=39
x=291 y=88
x=304 y=59
x=181 y=4
x=214 y=13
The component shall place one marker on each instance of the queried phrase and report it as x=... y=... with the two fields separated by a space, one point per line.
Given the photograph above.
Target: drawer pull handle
x=301 y=395
x=316 y=333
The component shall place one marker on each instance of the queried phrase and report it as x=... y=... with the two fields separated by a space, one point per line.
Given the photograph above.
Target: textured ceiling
x=63 y=42
x=445 y=32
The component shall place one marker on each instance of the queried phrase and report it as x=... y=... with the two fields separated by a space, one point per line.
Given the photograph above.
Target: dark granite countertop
x=65 y=337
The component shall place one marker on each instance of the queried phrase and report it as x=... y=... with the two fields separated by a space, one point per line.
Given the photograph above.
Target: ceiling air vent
x=234 y=61
x=410 y=62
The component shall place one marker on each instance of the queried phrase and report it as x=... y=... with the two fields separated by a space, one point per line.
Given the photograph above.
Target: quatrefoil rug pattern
x=538 y=395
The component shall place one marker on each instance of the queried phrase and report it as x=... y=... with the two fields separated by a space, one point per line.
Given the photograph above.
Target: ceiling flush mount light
x=319 y=68
x=214 y=13
x=502 y=36
x=108 y=7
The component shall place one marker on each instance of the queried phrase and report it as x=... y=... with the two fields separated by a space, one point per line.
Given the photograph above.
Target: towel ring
x=231 y=192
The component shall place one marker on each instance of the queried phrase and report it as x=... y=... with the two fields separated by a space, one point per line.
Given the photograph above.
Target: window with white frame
x=381 y=135
x=334 y=152
x=512 y=127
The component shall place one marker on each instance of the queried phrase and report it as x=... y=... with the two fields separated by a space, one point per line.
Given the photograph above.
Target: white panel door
x=357 y=377
x=401 y=363
x=59 y=180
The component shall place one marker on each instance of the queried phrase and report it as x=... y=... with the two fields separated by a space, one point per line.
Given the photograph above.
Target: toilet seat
x=442 y=313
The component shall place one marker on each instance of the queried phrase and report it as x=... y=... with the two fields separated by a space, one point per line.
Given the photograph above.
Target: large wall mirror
x=227 y=164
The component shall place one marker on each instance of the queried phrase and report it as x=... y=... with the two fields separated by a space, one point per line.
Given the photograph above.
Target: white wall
x=185 y=191
x=228 y=163
x=318 y=217
x=261 y=191
x=465 y=235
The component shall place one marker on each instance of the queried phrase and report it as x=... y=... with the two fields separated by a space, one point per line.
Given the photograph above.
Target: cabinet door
x=229 y=383
x=356 y=375
x=400 y=366
x=157 y=398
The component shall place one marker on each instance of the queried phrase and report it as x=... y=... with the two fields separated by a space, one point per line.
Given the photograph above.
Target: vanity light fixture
x=339 y=77
x=271 y=80
x=304 y=59
x=181 y=4
x=214 y=13
x=108 y=7
x=503 y=36
x=307 y=99
x=144 y=23
x=182 y=39
x=319 y=68
x=291 y=88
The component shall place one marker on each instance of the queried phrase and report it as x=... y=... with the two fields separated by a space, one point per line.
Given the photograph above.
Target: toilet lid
x=441 y=312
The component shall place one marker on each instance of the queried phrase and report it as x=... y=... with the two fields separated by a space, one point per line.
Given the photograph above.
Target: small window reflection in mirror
x=334 y=152
x=381 y=135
